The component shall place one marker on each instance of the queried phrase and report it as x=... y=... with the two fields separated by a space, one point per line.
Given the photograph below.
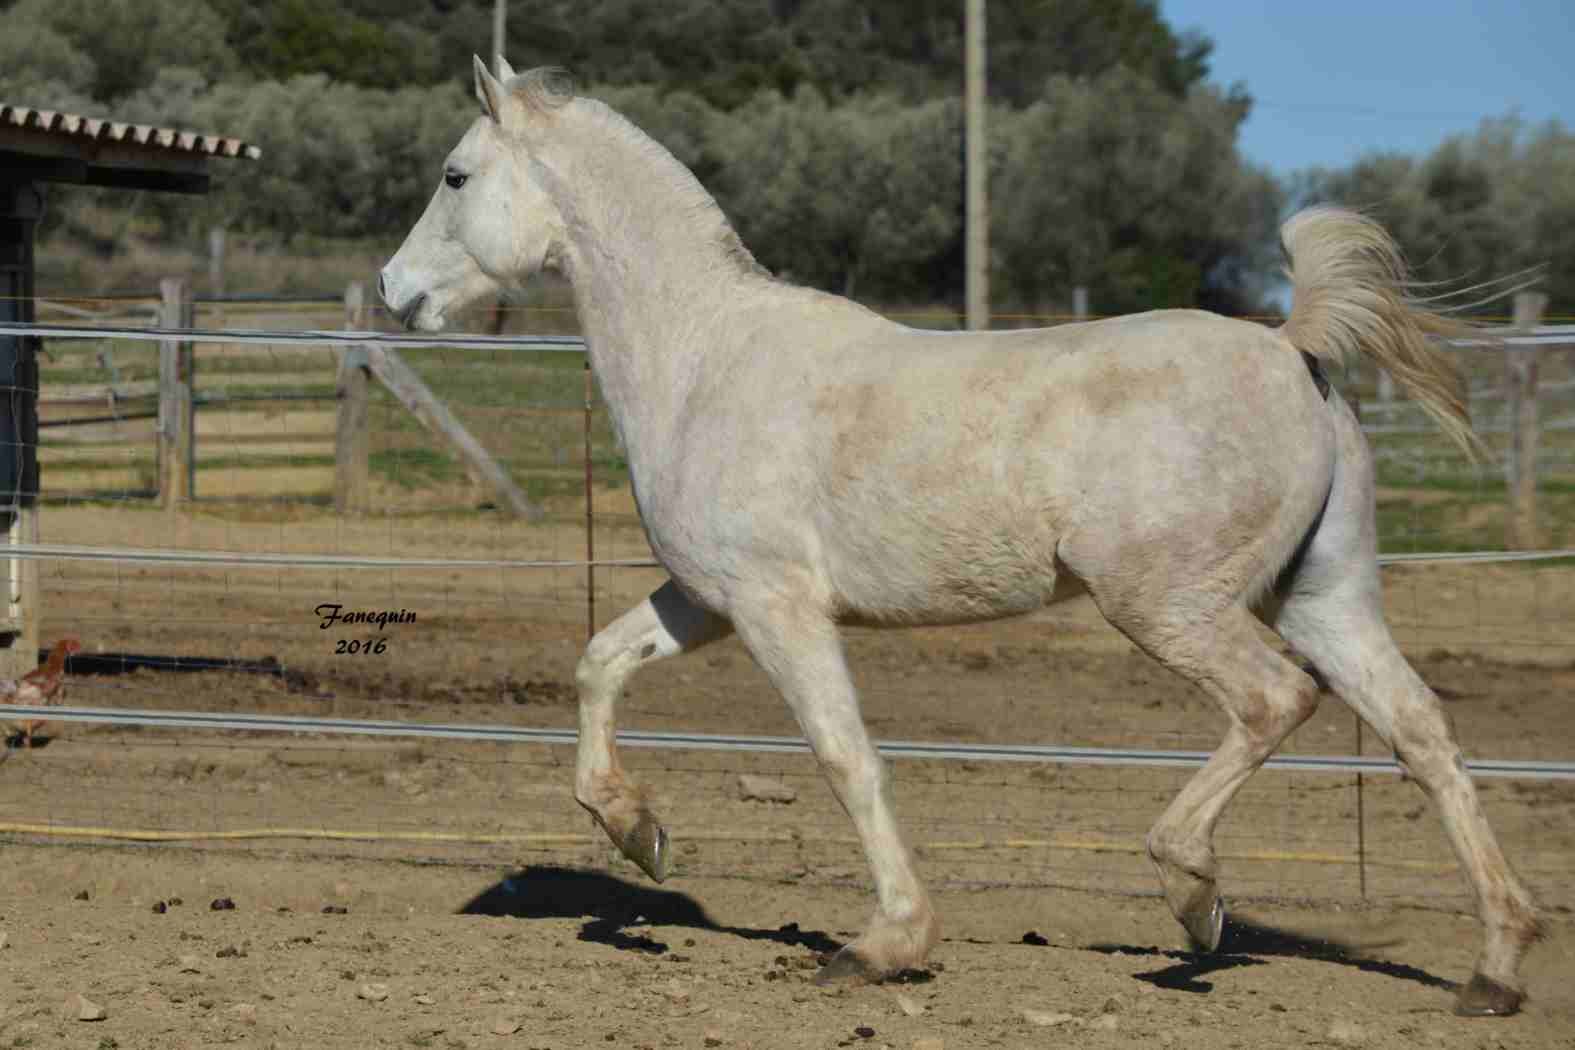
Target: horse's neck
x=653 y=279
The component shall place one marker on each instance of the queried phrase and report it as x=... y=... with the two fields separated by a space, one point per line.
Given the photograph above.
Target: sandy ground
x=482 y=910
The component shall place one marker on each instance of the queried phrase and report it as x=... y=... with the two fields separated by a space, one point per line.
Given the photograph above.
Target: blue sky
x=1335 y=79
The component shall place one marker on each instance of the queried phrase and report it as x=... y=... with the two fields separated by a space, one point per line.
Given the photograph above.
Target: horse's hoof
x=1206 y=927
x=847 y=965
x=1485 y=997
x=647 y=846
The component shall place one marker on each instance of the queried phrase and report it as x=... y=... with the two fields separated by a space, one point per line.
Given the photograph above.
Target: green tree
x=1479 y=206
x=42 y=68
x=129 y=41
x=286 y=38
x=861 y=197
x=1113 y=184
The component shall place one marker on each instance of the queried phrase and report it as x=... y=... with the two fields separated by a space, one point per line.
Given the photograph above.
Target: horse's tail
x=1349 y=288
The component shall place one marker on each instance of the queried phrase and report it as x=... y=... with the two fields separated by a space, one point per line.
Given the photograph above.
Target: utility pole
x=500 y=16
x=977 y=249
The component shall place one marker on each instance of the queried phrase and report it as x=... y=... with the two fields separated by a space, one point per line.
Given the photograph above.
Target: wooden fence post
x=216 y=273
x=1523 y=532
x=352 y=442
x=177 y=377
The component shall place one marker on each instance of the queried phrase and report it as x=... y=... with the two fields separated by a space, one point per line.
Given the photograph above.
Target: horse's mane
x=547 y=89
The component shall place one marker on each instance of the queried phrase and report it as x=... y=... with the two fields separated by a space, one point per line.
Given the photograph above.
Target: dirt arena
x=395 y=892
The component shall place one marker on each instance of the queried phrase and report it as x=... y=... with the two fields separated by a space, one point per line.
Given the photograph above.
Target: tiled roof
x=79 y=128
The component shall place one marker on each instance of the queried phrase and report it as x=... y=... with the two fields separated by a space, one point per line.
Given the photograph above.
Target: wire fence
x=220 y=609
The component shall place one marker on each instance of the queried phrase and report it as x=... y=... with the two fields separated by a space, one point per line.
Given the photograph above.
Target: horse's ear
x=489 y=92
x=505 y=71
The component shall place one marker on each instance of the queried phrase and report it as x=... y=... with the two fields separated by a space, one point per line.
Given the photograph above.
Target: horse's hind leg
x=663 y=625
x=1265 y=697
x=1332 y=617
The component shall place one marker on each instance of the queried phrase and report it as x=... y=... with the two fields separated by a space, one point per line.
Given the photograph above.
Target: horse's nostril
x=382 y=286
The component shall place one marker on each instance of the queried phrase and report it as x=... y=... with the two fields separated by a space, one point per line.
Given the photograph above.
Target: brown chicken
x=41 y=686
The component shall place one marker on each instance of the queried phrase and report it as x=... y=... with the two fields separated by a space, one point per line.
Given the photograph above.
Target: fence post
x=352 y=442
x=216 y=273
x=177 y=375
x=1521 y=462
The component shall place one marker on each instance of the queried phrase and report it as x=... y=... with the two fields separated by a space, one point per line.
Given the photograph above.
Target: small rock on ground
x=245 y=1013
x=764 y=789
x=84 y=1009
x=1046 y=1018
x=1346 y=1033
x=374 y=992
x=506 y=1026
x=909 y=1006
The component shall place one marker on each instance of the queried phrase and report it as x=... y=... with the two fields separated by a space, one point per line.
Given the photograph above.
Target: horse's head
x=491 y=224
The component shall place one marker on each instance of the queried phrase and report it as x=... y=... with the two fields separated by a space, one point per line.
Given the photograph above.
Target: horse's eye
x=454 y=179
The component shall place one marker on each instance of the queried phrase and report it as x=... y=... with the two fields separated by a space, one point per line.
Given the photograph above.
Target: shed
x=39 y=146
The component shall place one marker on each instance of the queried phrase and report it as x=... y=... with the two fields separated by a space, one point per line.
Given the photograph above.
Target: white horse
x=801 y=462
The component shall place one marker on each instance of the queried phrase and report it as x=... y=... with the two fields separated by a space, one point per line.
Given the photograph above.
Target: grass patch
x=413 y=468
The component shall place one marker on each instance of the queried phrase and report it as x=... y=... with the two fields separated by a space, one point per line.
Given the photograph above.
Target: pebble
x=1046 y=1018
x=5 y=940
x=676 y=992
x=1346 y=1033
x=907 y=1005
x=713 y=1037
x=85 y=1009
x=190 y=964
x=764 y=789
x=374 y=992
x=506 y=1026
x=424 y=1000
x=245 y=1013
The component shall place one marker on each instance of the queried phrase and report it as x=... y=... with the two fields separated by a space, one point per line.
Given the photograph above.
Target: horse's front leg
x=664 y=624
x=800 y=650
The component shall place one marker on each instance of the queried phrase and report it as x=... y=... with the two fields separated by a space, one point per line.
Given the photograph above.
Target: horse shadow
x=1243 y=943
x=611 y=905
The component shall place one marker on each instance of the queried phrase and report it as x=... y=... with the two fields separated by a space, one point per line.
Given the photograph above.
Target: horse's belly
x=943 y=578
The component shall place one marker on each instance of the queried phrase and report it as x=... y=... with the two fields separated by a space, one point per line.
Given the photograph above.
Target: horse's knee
x=855 y=775
x=596 y=665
